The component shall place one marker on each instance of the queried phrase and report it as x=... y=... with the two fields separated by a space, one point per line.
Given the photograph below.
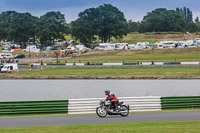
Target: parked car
x=1 y=66
x=19 y=56
x=6 y=55
x=51 y=48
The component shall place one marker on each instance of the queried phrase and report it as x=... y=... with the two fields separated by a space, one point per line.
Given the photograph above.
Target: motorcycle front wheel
x=101 y=112
x=124 y=111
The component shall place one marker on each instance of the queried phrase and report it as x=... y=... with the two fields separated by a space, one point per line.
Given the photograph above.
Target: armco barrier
x=189 y=63
x=120 y=65
x=129 y=63
x=190 y=102
x=112 y=64
x=85 y=106
x=34 y=107
x=88 y=105
x=172 y=63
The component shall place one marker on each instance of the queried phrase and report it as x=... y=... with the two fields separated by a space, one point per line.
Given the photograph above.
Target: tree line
x=23 y=27
x=103 y=22
x=163 y=20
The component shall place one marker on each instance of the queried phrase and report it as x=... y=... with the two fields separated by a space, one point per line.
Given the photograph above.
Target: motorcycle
x=106 y=108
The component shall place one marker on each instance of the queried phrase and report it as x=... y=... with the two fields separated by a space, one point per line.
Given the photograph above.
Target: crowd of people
x=9 y=61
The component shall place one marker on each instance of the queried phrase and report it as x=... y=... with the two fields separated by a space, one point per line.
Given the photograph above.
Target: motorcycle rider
x=112 y=98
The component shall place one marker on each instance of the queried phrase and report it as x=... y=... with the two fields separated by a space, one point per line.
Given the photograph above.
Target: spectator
x=88 y=63
x=93 y=63
x=42 y=62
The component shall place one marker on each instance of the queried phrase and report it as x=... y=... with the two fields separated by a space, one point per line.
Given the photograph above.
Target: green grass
x=136 y=73
x=133 y=38
x=52 y=115
x=162 y=127
x=164 y=55
x=152 y=38
x=68 y=37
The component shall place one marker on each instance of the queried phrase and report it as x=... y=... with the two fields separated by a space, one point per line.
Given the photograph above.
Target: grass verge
x=159 y=55
x=135 y=73
x=162 y=127
x=51 y=115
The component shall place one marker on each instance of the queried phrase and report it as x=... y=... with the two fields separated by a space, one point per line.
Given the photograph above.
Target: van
x=10 y=68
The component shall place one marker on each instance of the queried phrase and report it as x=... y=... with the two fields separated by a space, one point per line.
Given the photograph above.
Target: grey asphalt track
x=93 y=119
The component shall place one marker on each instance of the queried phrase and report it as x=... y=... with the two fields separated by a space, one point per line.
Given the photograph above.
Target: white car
x=6 y=56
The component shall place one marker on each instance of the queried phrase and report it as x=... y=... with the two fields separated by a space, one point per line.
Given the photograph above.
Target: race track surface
x=93 y=119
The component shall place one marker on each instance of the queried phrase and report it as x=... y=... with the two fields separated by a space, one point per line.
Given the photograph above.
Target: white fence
x=86 y=106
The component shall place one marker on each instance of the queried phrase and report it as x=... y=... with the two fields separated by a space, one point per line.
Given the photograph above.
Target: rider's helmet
x=107 y=92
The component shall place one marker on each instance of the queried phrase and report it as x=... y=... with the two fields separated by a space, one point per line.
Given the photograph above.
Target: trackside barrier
x=158 y=63
x=189 y=63
x=120 y=64
x=112 y=64
x=146 y=63
x=190 y=102
x=69 y=64
x=34 y=107
x=130 y=64
x=99 y=64
x=172 y=63
x=55 y=64
x=86 y=106
x=76 y=64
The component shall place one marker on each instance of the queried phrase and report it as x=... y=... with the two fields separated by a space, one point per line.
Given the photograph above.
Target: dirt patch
x=169 y=36
x=162 y=36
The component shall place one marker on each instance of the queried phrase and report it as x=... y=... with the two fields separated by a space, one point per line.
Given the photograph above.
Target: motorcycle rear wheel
x=125 y=110
x=101 y=112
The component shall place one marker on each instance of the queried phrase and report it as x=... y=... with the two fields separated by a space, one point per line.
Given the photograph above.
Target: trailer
x=106 y=46
x=168 y=44
x=31 y=48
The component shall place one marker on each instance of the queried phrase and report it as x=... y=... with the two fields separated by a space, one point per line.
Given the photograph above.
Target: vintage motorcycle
x=106 y=108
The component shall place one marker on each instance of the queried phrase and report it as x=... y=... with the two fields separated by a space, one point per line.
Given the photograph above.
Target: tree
x=23 y=27
x=105 y=21
x=133 y=26
x=112 y=23
x=162 y=20
x=186 y=13
x=17 y=27
x=86 y=26
x=52 y=26
x=6 y=18
x=197 y=22
x=188 y=17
